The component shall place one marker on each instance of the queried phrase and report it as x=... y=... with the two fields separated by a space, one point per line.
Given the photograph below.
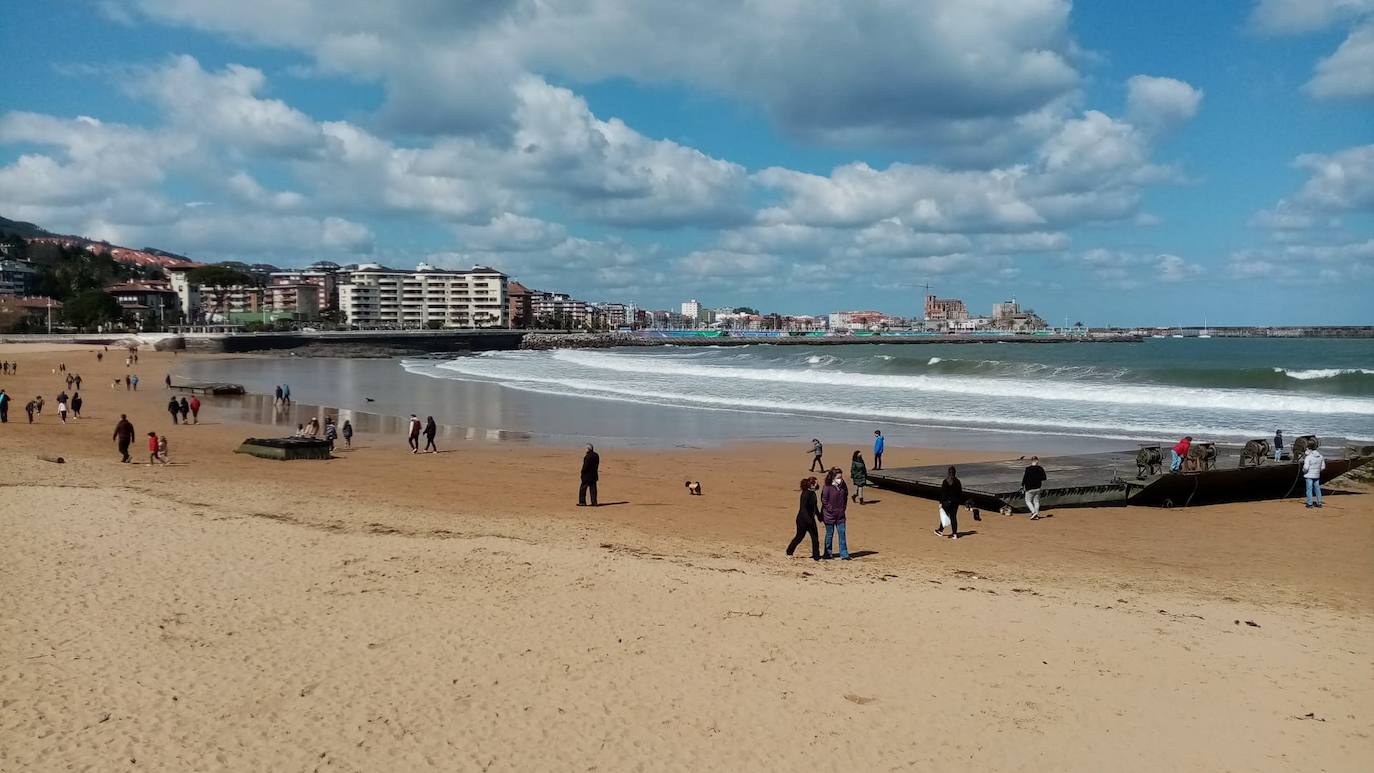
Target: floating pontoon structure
x=211 y=389
x=1111 y=479
x=285 y=448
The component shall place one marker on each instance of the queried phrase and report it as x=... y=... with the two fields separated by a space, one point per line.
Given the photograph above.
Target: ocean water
x=1222 y=389
x=1031 y=397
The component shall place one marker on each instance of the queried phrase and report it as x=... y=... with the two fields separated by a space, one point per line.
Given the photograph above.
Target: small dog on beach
x=1006 y=510
x=693 y=487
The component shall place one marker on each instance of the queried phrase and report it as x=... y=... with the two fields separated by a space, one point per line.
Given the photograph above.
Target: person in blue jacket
x=878 y=444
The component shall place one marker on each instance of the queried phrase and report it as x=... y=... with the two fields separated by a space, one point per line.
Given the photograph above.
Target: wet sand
x=456 y=610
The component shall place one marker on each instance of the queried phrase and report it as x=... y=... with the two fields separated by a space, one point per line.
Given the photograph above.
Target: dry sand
x=383 y=611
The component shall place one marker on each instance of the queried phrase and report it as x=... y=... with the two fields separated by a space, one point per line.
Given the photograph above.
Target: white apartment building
x=375 y=296
x=691 y=309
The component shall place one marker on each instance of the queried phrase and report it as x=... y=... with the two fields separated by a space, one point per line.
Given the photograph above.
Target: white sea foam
x=1320 y=373
x=935 y=361
x=1103 y=394
x=602 y=389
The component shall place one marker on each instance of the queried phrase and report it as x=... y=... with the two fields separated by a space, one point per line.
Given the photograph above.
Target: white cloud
x=1305 y=263
x=224 y=106
x=1340 y=181
x=1293 y=17
x=1172 y=268
x=869 y=71
x=509 y=232
x=1349 y=72
x=1159 y=104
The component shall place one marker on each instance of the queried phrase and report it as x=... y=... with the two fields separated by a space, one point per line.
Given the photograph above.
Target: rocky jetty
x=584 y=340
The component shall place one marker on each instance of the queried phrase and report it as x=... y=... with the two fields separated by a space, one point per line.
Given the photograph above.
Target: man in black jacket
x=1031 y=481
x=124 y=435
x=591 y=466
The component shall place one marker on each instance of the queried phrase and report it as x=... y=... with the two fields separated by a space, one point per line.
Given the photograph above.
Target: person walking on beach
x=195 y=409
x=413 y=434
x=77 y=381
x=591 y=473
x=185 y=410
x=5 y=407
x=330 y=431
x=1031 y=481
x=807 y=515
x=858 y=475
x=128 y=383
x=168 y=380
x=348 y=433
x=276 y=400
x=124 y=436
x=951 y=496
x=835 y=494
x=38 y=405
x=134 y=380
x=1179 y=452
x=173 y=408
x=162 y=449
x=76 y=405
x=878 y=446
x=1312 y=465
x=1278 y=445
x=62 y=408
x=286 y=394
x=815 y=452
x=431 y=429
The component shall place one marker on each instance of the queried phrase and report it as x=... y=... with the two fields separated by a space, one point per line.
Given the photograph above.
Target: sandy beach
x=456 y=611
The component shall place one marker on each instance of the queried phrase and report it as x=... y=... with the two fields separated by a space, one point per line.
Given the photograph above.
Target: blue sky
x=1115 y=163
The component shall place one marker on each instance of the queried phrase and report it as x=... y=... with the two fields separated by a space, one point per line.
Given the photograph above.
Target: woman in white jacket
x=1312 y=465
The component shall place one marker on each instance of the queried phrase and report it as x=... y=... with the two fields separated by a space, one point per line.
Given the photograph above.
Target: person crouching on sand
x=807 y=515
x=951 y=496
x=858 y=475
x=836 y=496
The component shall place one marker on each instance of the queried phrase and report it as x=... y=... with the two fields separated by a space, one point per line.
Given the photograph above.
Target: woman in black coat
x=431 y=429
x=807 y=514
x=951 y=496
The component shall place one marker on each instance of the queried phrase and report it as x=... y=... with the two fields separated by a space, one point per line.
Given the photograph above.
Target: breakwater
x=544 y=341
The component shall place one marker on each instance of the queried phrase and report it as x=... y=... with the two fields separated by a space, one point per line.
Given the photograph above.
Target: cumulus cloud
x=1347 y=73
x=509 y=232
x=1159 y=104
x=1292 y=17
x=811 y=67
x=1339 y=181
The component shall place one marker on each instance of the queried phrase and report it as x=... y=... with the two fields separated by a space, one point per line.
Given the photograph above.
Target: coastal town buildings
x=941 y=309
x=284 y=287
x=146 y=302
x=691 y=310
x=518 y=304
x=33 y=312
x=558 y=310
x=376 y=296
x=17 y=277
